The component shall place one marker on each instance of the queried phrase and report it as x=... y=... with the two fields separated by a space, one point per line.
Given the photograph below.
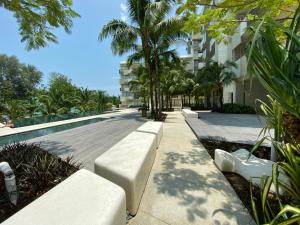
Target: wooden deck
x=88 y=142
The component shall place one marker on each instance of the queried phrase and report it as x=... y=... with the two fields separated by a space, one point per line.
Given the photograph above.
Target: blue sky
x=79 y=55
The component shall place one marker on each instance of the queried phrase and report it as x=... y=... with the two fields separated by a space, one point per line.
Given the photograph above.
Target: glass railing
x=22 y=122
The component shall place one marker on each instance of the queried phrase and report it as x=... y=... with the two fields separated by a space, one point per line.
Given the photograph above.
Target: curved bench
x=155 y=128
x=83 y=198
x=251 y=169
x=187 y=113
x=128 y=164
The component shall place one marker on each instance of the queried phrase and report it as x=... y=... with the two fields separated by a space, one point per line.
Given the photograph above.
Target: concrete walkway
x=238 y=128
x=185 y=187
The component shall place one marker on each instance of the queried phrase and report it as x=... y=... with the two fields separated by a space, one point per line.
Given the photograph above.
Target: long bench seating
x=83 y=198
x=187 y=113
x=155 y=128
x=128 y=164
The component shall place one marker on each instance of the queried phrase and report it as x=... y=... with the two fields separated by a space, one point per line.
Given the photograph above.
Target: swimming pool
x=45 y=131
x=22 y=122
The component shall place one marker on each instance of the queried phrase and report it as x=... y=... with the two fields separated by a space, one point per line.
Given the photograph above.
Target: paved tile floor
x=239 y=128
x=185 y=187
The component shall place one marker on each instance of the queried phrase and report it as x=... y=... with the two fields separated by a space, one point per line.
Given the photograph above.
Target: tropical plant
x=149 y=27
x=213 y=76
x=36 y=170
x=222 y=18
x=36 y=19
x=139 y=84
x=280 y=209
x=276 y=66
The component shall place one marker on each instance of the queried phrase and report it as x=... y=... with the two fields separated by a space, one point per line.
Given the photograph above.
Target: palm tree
x=145 y=16
x=165 y=33
x=213 y=76
x=140 y=83
x=83 y=98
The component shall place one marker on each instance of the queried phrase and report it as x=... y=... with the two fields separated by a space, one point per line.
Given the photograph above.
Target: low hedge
x=236 y=109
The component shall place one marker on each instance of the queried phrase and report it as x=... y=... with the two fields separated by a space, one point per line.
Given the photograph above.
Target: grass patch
x=36 y=171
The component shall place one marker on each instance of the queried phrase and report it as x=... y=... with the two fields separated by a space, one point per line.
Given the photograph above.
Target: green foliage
x=36 y=172
x=20 y=96
x=140 y=83
x=37 y=19
x=149 y=36
x=213 y=76
x=17 y=80
x=221 y=18
x=286 y=210
x=237 y=109
x=276 y=65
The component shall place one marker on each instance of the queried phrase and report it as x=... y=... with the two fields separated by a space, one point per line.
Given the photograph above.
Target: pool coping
x=11 y=131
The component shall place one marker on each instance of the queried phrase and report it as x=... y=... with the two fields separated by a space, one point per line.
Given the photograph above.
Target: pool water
x=45 y=131
x=22 y=122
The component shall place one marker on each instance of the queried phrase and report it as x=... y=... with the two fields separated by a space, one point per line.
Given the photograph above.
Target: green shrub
x=238 y=109
x=36 y=171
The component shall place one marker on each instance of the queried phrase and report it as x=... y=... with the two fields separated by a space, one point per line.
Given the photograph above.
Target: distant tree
x=17 y=80
x=37 y=19
x=62 y=91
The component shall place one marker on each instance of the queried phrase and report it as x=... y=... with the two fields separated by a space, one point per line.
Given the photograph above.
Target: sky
x=79 y=55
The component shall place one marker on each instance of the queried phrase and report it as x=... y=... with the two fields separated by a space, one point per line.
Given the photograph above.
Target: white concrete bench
x=155 y=128
x=251 y=169
x=83 y=198
x=128 y=164
x=189 y=113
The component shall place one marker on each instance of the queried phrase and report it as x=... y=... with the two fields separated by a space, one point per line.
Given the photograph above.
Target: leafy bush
x=199 y=107
x=236 y=108
x=36 y=171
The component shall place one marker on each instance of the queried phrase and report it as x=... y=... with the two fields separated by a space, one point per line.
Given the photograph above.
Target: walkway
x=238 y=128
x=185 y=187
x=86 y=143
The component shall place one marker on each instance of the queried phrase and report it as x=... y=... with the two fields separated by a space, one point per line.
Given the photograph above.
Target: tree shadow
x=180 y=180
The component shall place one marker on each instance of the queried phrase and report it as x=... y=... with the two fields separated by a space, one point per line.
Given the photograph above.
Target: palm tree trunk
x=158 y=102
x=170 y=102
x=162 y=100
x=147 y=54
x=167 y=101
x=221 y=97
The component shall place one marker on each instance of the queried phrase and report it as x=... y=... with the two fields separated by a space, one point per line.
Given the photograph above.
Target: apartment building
x=128 y=98
x=245 y=89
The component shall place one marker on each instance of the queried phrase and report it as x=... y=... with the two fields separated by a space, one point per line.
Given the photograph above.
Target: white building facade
x=128 y=98
x=245 y=89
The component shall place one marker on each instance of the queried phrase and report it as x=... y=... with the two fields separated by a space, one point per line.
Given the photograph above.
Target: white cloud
x=123 y=7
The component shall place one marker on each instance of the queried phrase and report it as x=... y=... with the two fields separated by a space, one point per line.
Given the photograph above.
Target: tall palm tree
x=144 y=16
x=165 y=33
